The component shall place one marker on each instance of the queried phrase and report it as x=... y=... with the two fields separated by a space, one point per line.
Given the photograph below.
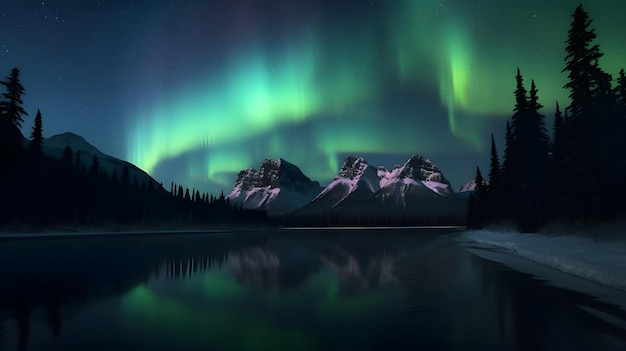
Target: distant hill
x=55 y=145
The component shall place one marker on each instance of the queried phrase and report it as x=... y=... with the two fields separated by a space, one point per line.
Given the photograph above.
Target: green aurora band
x=326 y=93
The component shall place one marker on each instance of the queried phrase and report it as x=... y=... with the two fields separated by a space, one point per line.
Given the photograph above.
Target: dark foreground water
x=297 y=290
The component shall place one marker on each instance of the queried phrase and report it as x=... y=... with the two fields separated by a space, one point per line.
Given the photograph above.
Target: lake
x=359 y=289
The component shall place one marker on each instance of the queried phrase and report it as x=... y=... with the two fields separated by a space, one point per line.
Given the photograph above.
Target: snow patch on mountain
x=469 y=186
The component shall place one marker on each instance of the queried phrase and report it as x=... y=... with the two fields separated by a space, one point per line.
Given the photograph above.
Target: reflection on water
x=403 y=289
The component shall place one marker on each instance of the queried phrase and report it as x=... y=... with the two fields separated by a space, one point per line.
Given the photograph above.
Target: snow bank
x=601 y=262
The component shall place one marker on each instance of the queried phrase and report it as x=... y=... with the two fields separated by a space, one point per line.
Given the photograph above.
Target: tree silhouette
x=494 y=166
x=481 y=185
x=11 y=109
x=581 y=62
x=36 y=137
x=11 y=112
x=594 y=128
x=476 y=207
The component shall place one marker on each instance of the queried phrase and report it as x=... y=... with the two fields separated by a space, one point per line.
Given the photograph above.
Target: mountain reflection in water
x=284 y=290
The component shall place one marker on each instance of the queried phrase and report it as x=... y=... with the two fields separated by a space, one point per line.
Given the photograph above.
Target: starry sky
x=194 y=91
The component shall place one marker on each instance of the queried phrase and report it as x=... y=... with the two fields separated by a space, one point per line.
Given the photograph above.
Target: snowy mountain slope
x=416 y=188
x=55 y=145
x=356 y=181
x=469 y=186
x=277 y=187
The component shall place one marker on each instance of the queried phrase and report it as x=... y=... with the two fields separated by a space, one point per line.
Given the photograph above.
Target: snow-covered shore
x=603 y=262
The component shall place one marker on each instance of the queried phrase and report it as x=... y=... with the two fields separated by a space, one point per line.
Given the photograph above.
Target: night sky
x=194 y=91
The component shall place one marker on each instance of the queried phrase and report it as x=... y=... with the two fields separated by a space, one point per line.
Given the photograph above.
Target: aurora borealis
x=194 y=91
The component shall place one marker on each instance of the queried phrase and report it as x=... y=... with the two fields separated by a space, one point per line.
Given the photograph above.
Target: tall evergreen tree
x=494 y=166
x=538 y=138
x=476 y=206
x=521 y=99
x=481 y=185
x=557 y=155
x=581 y=62
x=36 y=137
x=516 y=156
x=505 y=178
x=593 y=130
x=11 y=110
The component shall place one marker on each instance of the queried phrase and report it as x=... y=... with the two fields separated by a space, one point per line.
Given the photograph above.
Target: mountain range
x=417 y=188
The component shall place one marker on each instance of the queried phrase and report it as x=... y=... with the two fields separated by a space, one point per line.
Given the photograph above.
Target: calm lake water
x=403 y=289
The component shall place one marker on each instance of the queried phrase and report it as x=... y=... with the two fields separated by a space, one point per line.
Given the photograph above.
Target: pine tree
x=36 y=137
x=521 y=100
x=11 y=110
x=481 y=185
x=581 y=62
x=593 y=129
x=494 y=166
x=505 y=177
x=476 y=206
x=538 y=138
x=515 y=155
x=558 y=161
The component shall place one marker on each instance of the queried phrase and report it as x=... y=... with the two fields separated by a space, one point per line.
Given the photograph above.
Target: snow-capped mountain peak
x=416 y=187
x=469 y=186
x=353 y=167
x=278 y=187
x=419 y=168
x=355 y=174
